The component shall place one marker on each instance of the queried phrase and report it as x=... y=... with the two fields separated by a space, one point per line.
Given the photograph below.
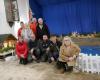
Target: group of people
x=35 y=43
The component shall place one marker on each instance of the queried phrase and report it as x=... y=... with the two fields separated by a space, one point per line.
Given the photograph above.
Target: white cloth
x=26 y=33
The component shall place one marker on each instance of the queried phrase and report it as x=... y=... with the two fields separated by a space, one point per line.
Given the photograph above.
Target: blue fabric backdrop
x=36 y=8
x=66 y=16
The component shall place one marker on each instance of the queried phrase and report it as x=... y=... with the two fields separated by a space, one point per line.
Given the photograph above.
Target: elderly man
x=34 y=48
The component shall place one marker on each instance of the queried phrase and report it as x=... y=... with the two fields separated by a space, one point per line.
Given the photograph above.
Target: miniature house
x=7 y=40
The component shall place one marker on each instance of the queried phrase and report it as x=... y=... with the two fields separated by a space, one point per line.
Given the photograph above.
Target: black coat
x=43 y=31
x=33 y=44
x=55 y=47
x=43 y=45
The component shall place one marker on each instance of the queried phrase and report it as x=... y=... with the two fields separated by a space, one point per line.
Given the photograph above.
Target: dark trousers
x=64 y=66
x=23 y=61
x=55 y=55
x=37 y=53
x=44 y=56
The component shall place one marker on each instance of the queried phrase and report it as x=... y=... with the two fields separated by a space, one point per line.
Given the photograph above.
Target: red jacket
x=19 y=32
x=33 y=27
x=21 y=48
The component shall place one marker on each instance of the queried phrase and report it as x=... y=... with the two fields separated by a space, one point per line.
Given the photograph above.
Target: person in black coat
x=42 y=29
x=34 y=48
x=54 y=48
x=45 y=48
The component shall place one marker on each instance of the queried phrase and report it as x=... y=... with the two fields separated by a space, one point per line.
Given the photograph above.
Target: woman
x=20 y=29
x=26 y=32
x=22 y=50
x=68 y=54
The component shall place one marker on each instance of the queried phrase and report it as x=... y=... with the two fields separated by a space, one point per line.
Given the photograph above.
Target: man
x=45 y=48
x=33 y=48
x=42 y=29
x=54 y=48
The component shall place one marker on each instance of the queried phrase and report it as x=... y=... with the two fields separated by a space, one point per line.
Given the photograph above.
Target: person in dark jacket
x=45 y=48
x=34 y=48
x=54 y=48
x=22 y=50
x=42 y=29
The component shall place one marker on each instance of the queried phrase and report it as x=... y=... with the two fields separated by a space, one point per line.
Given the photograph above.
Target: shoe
x=49 y=61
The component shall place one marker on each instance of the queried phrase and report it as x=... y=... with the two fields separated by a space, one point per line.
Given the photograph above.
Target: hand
x=74 y=56
x=71 y=58
x=67 y=59
x=33 y=57
x=22 y=55
x=52 y=58
x=48 y=49
x=32 y=50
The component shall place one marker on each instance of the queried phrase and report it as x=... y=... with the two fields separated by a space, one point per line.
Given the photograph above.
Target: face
x=54 y=39
x=22 y=25
x=20 y=39
x=34 y=20
x=67 y=42
x=40 y=21
x=45 y=37
x=33 y=36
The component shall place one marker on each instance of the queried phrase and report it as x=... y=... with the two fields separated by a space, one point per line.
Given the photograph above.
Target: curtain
x=82 y=16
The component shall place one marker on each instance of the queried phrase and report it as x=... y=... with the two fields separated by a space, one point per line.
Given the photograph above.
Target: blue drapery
x=36 y=8
x=82 y=16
